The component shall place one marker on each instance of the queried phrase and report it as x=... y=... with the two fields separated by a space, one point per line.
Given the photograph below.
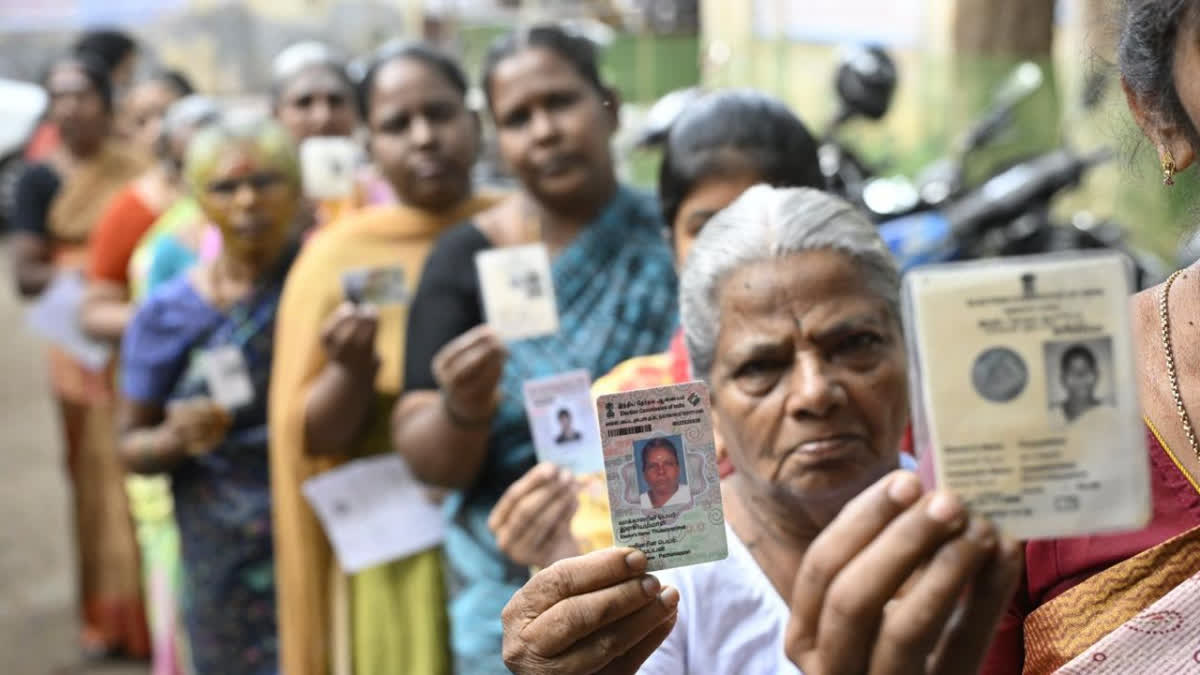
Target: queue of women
x=197 y=544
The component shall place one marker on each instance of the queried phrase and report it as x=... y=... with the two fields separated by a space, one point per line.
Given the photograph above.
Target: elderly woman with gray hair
x=838 y=563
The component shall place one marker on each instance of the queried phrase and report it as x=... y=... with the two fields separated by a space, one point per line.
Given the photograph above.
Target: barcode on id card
x=639 y=429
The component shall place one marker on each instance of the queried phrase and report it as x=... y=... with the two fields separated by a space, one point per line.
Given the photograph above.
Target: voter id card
x=1024 y=392
x=328 y=165
x=379 y=286
x=562 y=420
x=227 y=377
x=518 y=291
x=661 y=466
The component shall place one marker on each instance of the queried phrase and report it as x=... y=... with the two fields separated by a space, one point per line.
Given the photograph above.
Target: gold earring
x=1168 y=168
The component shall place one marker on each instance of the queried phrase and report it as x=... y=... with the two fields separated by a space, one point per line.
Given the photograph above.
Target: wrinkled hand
x=532 y=520
x=348 y=337
x=199 y=423
x=597 y=613
x=901 y=582
x=468 y=371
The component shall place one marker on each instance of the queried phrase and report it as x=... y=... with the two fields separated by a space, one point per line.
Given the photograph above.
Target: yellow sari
x=390 y=619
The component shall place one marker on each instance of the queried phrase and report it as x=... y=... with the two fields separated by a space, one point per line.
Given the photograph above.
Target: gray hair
x=768 y=223
x=301 y=56
x=189 y=113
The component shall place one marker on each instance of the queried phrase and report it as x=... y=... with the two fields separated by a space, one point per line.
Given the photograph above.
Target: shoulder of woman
x=171 y=313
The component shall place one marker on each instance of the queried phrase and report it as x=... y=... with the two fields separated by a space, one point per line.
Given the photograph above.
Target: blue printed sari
x=616 y=291
x=223 y=498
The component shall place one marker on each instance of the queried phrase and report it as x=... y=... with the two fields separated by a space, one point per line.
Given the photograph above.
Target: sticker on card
x=518 y=291
x=374 y=511
x=660 y=462
x=328 y=165
x=227 y=377
x=563 y=421
x=379 y=286
x=1025 y=396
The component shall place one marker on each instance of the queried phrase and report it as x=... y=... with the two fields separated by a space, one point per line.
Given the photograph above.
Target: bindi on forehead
x=238 y=161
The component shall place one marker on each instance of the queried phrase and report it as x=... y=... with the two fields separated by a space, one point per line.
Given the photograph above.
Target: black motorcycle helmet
x=866 y=80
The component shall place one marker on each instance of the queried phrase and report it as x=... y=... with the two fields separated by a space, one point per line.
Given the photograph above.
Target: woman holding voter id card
x=58 y=203
x=837 y=563
x=607 y=295
x=338 y=369
x=720 y=146
x=196 y=359
x=1129 y=602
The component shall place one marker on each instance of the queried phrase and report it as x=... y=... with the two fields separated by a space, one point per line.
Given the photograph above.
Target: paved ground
x=37 y=618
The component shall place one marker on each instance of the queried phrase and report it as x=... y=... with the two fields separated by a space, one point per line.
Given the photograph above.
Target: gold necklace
x=1172 y=376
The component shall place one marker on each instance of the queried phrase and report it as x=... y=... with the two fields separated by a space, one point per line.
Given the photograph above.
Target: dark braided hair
x=576 y=50
x=439 y=61
x=728 y=132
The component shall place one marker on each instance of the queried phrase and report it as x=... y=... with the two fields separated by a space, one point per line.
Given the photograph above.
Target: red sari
x=1033 y=640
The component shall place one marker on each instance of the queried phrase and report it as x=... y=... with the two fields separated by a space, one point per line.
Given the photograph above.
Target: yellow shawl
x=391 y=235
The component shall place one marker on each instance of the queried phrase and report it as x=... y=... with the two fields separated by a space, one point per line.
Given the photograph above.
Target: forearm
x=440 y=451
x=152 y=450
x=105 y=319
x=337 y=409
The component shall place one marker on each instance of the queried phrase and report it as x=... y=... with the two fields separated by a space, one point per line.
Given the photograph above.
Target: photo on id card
x=563 y=421
x=379 y=286
x=661 y=466
x=1024 y=391
x=518 y=291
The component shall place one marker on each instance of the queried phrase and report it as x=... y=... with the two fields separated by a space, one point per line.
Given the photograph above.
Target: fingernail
x=565 y=476
x=669 y=597
x=636 y=560
x=904 y=489
x=1010 y=548
x=650 y=585
x=982 y=532
x=944 y=507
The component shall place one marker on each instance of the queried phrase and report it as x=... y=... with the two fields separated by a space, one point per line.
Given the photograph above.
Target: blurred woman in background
x=338 y=370
x=461 y=422
x=246 y=178
x=719 y=146
x=130 y=214
x=140 y=118
x=116 y=53
x=57 y=205
x=107 y=309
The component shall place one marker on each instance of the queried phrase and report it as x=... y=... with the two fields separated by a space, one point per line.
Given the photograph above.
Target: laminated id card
x=661 y=465
x=327 y=166
x=1024 y=392
x=518 y=291
x=379 y=286
x=227 y=377
x=562 y=420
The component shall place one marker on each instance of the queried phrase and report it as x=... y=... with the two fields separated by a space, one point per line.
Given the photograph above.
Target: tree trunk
x=1003 y=28
x=989 y=38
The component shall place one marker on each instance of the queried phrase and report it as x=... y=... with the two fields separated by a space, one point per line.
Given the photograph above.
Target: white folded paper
x=374 y=511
